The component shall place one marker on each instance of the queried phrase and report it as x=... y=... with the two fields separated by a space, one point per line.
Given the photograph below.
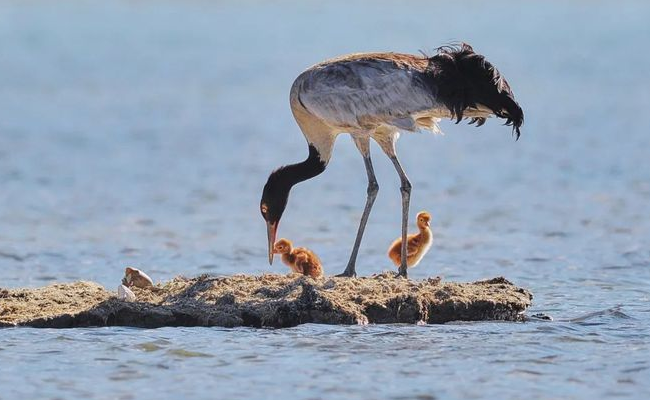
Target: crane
x=377 y=96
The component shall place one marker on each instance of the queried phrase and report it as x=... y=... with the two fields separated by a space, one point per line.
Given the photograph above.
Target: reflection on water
x=135 y=133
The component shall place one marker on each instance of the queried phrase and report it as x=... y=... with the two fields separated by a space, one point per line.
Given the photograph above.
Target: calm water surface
x=141 y=133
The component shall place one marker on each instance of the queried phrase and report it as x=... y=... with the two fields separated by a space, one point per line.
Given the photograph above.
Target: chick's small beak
x=271 y=230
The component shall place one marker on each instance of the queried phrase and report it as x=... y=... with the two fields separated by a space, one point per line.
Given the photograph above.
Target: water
x=141 y=133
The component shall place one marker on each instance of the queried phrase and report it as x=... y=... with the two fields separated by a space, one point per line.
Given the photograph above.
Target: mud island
x=265 y=301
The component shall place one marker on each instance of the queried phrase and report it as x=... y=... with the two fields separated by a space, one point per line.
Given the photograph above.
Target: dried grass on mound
x=266 y=301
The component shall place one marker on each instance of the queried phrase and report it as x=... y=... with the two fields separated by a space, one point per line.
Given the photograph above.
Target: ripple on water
x=153 y=346
x=601 y=317
x=183 y=353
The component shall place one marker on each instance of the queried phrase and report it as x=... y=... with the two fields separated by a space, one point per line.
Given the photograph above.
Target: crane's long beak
x=271 y=230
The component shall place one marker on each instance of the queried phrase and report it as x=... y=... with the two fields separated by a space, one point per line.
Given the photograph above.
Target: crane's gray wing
x=365 y=94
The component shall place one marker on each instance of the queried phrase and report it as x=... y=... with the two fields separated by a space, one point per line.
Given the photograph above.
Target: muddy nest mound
x=265 y=301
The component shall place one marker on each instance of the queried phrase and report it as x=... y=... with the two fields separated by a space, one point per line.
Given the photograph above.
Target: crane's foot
x=348 y=273
x=402 y=272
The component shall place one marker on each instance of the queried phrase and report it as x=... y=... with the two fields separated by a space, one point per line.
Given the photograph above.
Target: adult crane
x=379 y=95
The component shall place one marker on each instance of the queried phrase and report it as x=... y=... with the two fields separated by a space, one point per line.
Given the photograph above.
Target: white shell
x=135 y=277
x=124 y=293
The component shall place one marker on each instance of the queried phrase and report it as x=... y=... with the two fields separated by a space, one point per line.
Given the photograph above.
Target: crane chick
x=417 y=244
x=299 y=259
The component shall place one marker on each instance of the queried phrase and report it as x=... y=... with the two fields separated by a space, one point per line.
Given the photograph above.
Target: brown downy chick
x=417 y=244
x=299 y=259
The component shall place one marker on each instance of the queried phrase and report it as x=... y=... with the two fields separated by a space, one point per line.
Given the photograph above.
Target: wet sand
x=265 y=301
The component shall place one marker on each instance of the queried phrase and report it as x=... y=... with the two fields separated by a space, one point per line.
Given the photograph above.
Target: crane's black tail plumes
x=464 y=79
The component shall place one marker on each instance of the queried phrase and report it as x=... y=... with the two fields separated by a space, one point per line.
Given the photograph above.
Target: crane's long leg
x=373 y=189
x=405 y=188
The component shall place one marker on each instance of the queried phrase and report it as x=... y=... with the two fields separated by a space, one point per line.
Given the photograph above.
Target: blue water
x=141 y=133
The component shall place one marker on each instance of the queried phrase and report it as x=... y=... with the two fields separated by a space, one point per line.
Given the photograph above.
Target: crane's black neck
x=280 y=182
x=290 y=175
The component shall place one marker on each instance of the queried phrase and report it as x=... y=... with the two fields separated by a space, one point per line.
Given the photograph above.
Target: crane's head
x=276 y=191
x=274 y=200
x=466 y=80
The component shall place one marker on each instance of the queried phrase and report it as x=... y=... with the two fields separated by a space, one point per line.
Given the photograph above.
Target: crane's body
x=379 y=95
x=370 y=94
